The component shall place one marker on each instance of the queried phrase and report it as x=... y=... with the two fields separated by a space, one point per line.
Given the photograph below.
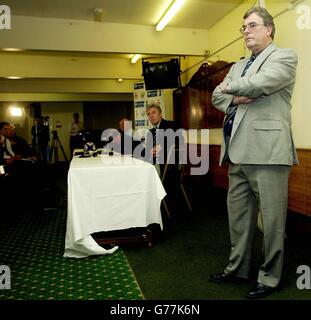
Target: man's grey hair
x=265 y=15
x=154 y=105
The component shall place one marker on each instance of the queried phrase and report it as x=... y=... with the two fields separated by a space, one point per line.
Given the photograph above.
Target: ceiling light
x=135 y=57
x=16 y=112
x=169 y=14
x=12 y=49
x=14 y=78
x=120 y=80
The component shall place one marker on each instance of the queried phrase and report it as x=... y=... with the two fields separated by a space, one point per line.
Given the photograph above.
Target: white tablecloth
x=109 y=193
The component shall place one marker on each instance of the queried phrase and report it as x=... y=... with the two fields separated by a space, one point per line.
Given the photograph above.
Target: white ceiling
x=195 y=14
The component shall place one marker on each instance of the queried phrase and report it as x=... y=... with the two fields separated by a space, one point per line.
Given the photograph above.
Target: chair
x=176 y=160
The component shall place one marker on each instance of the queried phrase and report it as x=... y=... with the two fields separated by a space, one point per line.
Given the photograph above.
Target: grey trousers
x=253 y=188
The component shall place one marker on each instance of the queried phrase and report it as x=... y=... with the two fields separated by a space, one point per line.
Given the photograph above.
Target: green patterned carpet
x=33 y=250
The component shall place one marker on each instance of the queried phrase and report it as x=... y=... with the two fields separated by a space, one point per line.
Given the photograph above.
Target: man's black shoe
x=225 y=278
x=260 y=291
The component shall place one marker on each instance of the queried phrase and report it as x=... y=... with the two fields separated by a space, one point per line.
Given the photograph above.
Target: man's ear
x=269 y=31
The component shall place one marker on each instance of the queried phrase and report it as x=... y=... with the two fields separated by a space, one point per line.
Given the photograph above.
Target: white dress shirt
x=8 y=152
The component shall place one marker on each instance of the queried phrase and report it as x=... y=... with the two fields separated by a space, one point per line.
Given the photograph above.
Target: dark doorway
x=106 y=114
x=99 y=116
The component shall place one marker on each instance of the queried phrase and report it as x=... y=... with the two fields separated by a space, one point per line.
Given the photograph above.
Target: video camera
x=55 y=135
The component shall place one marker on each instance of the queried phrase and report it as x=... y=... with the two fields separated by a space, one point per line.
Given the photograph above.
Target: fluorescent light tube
x=135 y=57
x=169 y=14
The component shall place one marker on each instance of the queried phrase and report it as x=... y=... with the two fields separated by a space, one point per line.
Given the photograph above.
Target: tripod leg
x=51 y=153
x=166 y=209
x=63 y=151
x=186 y=197
x=56 y=154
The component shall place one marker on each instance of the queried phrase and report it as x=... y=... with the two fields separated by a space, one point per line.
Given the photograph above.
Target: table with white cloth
x=107 y=193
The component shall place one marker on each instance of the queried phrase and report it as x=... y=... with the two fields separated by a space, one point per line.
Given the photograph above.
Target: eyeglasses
x=251 y=26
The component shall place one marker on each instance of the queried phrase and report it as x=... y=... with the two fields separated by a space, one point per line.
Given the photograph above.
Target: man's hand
x=241 y=100
x=237 y=99
x=117 y=139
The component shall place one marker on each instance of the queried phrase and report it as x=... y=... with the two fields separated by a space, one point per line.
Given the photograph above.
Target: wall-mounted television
x=161 y=75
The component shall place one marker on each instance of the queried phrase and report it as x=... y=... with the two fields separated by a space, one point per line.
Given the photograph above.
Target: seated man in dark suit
x=121 y=140
x=127 y=140
x=24 y=174
x=161 y=137
x=19 y=145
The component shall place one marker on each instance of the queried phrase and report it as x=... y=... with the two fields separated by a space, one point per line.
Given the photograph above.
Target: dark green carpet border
x=33 y=250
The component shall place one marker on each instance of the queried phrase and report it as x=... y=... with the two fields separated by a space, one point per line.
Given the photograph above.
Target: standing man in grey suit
x=258 y=144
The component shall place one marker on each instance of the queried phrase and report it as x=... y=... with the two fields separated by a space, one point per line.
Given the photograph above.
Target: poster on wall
x=143 y=98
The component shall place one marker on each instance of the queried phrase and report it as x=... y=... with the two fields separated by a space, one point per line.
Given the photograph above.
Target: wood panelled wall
x=299 y=193
x=193 y=108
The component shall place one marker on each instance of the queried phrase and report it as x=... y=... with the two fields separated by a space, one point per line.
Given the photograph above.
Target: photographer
x=40 y=139
x=75 y=129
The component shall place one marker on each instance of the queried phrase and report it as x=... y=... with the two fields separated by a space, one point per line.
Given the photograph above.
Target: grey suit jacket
x=261 y=132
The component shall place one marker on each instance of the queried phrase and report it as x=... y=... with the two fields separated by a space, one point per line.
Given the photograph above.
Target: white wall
x=290 y=35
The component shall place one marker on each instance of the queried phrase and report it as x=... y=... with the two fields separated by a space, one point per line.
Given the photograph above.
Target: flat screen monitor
x=161 y=75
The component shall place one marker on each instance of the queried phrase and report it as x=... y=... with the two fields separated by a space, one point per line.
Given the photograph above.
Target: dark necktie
x=248 y=64
x=154 y=132
x=228 y=123
x=155 y=137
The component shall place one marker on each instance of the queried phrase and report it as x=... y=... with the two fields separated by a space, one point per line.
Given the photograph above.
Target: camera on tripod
x=54 y=147
x=55 y=135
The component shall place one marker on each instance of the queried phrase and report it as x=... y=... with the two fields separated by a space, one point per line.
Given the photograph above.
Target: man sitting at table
x=19 y=145
x=161 y=137
x=124 y=142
